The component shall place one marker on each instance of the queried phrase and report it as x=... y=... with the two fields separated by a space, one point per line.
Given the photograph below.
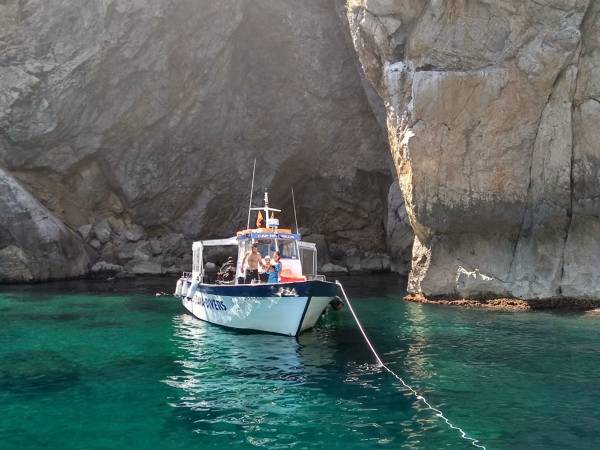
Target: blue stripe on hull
x=297 y=289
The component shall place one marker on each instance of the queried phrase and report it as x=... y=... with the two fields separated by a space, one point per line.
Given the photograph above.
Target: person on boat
x=252 y=260
x=266 y=266
x=275 y=268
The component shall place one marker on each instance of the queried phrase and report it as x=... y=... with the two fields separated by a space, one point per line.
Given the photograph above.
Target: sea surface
x=102 y=365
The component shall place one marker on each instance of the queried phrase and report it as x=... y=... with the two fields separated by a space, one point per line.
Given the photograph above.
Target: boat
x=289 y=306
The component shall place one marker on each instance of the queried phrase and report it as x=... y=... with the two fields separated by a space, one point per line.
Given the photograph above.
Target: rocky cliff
x=36 y=245
x=492 y=112
x=136 y=124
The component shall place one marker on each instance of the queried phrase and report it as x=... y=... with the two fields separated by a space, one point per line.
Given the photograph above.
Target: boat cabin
x=298 y=258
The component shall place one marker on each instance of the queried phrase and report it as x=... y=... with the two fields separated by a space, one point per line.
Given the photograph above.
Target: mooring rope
x=414 y=392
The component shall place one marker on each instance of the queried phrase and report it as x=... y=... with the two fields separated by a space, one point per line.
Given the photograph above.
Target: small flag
x=259 y=220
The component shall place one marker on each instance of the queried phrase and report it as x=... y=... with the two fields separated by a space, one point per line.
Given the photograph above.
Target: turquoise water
x=111 y=366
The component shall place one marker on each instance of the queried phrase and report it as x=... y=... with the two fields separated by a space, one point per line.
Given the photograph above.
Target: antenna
x=295 y=216
x=251 y=190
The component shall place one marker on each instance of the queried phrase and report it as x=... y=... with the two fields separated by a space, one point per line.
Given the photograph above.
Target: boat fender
x=192 y=290
x=185 y=287
x=178 y=287
x=336 y=303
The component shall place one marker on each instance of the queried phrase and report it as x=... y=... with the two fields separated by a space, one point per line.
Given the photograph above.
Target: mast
x=266 y=206
x=251 y=189
x=267 y=210
x=295 y=216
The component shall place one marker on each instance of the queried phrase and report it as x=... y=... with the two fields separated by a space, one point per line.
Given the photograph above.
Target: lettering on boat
x=217 y=305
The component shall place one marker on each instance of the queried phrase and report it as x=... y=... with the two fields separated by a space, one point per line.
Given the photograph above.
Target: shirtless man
x=252 y=260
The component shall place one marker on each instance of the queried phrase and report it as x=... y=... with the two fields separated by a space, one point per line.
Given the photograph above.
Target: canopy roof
x=268 y=234
x=265 y=230
x=217 y=242
x=257 y=233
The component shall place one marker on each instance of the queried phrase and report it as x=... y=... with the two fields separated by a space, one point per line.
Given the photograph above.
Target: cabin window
x=266 y=247
x=288 y=249
x=308 y=261
x=245 y=247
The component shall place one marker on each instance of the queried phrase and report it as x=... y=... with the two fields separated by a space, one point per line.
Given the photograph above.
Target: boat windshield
x=288 y=249
x=266 y=247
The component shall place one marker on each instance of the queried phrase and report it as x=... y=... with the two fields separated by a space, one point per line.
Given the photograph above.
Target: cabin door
x=308 y=259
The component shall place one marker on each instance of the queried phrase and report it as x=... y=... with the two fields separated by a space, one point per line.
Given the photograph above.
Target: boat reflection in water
x=240 y=390
x=231 y=381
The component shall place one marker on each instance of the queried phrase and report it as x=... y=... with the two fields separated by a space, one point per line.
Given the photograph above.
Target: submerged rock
x=35 y=372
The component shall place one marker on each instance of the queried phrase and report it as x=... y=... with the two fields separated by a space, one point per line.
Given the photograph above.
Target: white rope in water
x=416 y=394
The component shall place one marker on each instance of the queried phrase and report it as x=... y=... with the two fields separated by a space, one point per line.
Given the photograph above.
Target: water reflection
x=208 y=348
x=262 y=389
x=231 y=381
x=416 y=361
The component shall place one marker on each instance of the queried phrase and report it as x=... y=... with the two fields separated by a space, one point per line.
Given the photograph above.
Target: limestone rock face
x=34 y=244
x=142 y=118
x=492 y=114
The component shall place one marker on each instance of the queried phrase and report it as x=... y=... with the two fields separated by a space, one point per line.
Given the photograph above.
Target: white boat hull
x=278 y=308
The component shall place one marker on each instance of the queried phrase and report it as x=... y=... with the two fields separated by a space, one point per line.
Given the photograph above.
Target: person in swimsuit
x=266 y=266
x=252 y=261
x=275 y=269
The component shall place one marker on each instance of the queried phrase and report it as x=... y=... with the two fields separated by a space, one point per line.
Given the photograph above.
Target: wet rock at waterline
x=104 y=268
x=137 y=122
x=492 y=113
x=330 y=268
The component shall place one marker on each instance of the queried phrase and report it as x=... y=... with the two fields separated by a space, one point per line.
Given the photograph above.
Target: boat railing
x=188 y=276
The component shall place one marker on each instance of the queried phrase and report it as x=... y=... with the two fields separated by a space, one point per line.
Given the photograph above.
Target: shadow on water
x=51 y=317
x=147 y=304
x=37 y=371
x=44 y=291
x=377 y=285
x=104 y=324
